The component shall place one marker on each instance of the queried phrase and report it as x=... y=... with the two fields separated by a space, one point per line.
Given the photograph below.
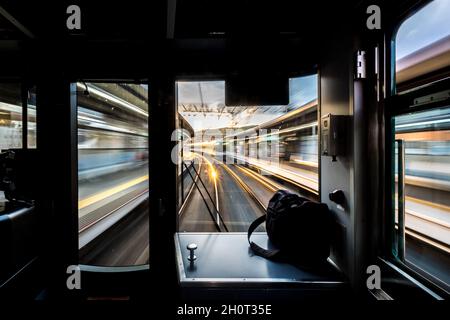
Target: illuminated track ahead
x=237 y=208
x=242 y=196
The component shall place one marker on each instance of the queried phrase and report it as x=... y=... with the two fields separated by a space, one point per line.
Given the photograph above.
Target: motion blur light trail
x=107 y=193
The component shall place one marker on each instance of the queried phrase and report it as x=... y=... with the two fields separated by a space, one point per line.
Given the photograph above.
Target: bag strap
x=265 y=253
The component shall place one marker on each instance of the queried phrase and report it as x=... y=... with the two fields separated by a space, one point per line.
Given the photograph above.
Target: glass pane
x=423 y=42
x=427 y=190
x=31 y=118
x=113 y=181
x=10 y=116
x=231 y=159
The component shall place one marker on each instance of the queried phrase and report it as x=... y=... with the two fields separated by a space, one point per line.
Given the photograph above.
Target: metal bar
x=182 y=176
x=16 y=23
x=171 y=17
x=209 y=195
x=180 y=211
x=401 y=198
x=203 y=198
x=24 y=97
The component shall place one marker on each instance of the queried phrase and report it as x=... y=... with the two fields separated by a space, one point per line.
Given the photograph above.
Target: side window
x=113 y=184
x=10 y=116
x=423 y=44
x=232 y=159
x=422 y=147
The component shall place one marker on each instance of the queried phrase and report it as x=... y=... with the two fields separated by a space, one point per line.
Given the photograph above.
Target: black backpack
x=299 y=229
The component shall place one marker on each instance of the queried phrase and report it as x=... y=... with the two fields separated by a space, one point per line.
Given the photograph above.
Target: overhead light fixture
x=111 y=98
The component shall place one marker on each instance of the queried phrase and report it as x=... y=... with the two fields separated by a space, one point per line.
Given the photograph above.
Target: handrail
x=401 y=199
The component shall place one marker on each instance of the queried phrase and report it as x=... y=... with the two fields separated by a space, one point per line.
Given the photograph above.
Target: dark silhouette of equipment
x=18 y=175
x=299 y=229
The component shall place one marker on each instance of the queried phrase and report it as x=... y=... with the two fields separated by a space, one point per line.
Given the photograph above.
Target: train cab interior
x=139 y=141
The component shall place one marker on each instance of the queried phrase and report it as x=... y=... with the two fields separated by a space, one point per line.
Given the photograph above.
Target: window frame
x=112 y=269
x=398 y=103
x=221 y=77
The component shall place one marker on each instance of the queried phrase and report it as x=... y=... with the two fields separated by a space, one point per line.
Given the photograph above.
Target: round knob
x=337 y=196
x=192 y=247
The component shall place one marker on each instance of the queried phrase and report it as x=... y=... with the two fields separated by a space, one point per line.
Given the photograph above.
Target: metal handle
x=401 y=199
x=192 y=247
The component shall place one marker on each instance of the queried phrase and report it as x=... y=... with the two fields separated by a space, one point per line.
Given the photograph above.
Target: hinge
x=361 y=65
x=435 y=97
